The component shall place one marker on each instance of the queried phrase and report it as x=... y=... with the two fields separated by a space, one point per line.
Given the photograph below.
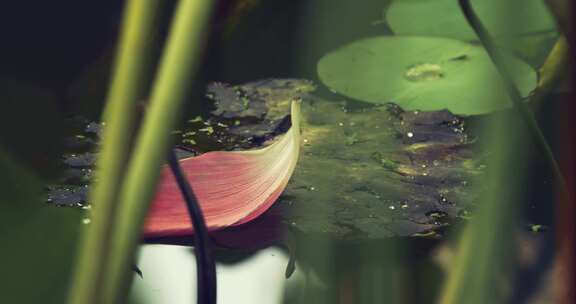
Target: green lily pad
x=422 y=73
x=444 y=18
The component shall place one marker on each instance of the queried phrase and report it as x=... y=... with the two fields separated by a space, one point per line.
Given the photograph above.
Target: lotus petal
x=232 y=187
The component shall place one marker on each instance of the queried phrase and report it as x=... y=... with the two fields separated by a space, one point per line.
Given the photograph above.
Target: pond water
x=377 y=191
x=169 y=276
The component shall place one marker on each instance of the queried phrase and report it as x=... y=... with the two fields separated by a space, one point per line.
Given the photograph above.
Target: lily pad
x=444 y=18
x=423 y=73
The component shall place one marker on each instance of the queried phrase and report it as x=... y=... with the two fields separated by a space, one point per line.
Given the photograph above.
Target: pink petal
x=232 y=188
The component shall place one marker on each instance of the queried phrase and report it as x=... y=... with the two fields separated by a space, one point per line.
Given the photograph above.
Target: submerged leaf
x=408 y=173
x=232 y=187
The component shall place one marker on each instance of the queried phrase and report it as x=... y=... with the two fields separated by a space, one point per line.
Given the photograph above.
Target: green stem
x=515 y=95
x=562 y=10
x=552 y=73
x=119 y=117
x=205 y=266
x=484 y=247
x=175 y=74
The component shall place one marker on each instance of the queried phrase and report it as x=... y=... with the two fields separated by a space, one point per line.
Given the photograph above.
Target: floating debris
x=67 y=195
x=424 y=72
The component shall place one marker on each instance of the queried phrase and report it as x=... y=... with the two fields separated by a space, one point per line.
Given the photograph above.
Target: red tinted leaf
x=232 y=187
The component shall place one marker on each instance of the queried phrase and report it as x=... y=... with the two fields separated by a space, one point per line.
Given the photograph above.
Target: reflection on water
x=170 y=277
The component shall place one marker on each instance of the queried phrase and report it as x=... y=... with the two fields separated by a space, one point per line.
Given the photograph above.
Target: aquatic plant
x=232 y=187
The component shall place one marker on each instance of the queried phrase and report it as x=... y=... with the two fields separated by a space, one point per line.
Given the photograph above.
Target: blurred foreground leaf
x=38 y=241
x=120 y=117
x=483 y=264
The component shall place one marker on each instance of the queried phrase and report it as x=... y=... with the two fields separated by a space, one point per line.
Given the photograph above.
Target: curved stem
x=206 y=267
x=515 y=95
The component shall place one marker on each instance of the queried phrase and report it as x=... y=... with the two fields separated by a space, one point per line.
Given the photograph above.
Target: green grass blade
x=179 y=61
x=119 y=117
x=552 y=72
x=485 y=248
x=522 y=109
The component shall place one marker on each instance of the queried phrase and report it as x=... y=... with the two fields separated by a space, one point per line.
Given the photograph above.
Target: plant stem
x=562 y=10
x=119 y=117
x=484 y=247
x=554 y=69
x=515 y=95
x=206 y=268
x=175 y=73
